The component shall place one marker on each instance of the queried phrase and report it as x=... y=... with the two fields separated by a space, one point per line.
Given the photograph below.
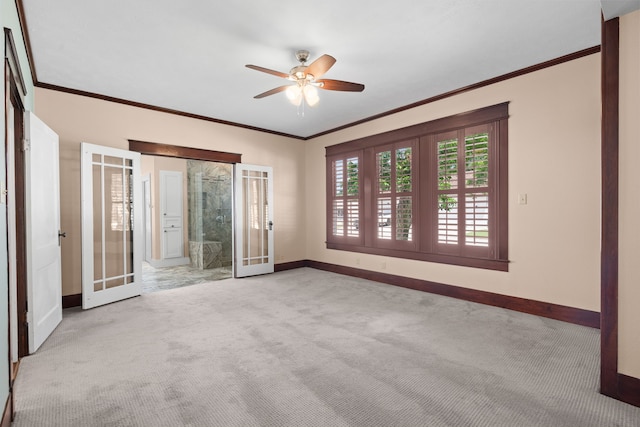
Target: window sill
x=484 y=263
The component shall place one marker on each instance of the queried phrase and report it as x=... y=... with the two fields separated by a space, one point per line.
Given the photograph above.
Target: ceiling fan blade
x=329 y=84
x=268 y=71
x=320 y=66
x=272 y=91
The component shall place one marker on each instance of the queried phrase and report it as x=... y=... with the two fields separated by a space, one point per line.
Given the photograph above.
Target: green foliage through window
x=353 y=185
x=476 y=172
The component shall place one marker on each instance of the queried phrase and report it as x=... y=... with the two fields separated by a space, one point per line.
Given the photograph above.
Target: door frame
x=15 y=92
x=147 y=218
x=176 y=151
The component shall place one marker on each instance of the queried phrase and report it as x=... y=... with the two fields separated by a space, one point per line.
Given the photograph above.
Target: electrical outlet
x=522 y=198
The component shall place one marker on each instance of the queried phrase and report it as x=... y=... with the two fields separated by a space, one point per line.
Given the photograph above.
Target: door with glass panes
x=111 y=225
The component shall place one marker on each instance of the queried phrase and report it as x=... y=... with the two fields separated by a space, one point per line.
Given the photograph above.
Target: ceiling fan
x=307 y=80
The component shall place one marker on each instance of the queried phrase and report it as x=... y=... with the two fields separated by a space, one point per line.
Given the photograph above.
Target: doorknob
x=61 y=234
x=270 y=225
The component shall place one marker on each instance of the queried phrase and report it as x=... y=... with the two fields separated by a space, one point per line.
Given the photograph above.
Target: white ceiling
x=190 y=55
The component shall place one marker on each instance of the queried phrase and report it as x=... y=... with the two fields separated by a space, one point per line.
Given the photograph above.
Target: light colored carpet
x=310 y=348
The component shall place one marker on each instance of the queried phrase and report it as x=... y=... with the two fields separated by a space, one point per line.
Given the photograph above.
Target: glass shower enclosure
x=210 y=216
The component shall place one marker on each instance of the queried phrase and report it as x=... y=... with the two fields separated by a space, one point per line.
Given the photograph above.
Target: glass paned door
x=254 y=220
x=111 y=227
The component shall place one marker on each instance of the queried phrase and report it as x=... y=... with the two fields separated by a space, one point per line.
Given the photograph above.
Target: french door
x=254 y=220
x=111 y=225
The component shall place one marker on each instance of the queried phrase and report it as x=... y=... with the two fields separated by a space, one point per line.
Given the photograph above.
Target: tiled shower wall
x=210 y=200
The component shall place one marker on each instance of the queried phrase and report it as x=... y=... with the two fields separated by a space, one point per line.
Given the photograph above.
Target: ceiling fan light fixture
x=294 y=94
x=310 y=95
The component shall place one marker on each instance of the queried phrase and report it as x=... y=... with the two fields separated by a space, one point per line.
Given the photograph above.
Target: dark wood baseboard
x=629 y=389
x=7 y=415
x=69 y=301
x=538 y=308
x=289 y=265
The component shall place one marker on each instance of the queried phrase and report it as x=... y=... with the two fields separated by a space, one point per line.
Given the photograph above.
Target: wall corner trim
x=609 y=205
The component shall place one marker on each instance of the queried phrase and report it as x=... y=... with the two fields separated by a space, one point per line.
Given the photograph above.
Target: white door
x=253 y=203
x=42 y=196
x=111 y=225
x=171 y=214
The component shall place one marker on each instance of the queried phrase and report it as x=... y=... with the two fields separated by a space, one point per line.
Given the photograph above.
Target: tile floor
x=160 y=279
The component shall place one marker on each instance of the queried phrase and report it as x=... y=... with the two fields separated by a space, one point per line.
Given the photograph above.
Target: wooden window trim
x=496 y=112
x=488 y=264
x=422 y=135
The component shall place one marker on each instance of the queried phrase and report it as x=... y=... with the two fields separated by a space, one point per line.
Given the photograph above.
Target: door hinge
x=3 y=193
x=26 y=144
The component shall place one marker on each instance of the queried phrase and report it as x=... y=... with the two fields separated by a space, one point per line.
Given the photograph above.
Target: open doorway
x=188 y=220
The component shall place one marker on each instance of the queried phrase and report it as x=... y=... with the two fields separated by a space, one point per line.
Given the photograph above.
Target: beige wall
x=554 y=157
x=629 y=275
x=77 y=119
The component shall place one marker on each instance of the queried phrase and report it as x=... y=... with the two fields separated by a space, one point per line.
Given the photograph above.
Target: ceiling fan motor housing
x=302 y=55
x=300 y=73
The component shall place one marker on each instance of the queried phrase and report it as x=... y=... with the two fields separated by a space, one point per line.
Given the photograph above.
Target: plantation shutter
x=463 y=191
x=344 y=191
x=394 y=201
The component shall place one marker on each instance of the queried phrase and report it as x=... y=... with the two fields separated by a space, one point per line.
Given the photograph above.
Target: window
x=121 y=200
x=344 y=197
x=436 y=191
x=393 y=195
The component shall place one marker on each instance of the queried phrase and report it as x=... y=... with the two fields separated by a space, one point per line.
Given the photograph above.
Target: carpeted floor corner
x=311 y=348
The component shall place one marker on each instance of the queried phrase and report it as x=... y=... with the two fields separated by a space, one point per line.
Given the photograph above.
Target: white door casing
x=253 y=207
x=42 y=212
x=148 y=214
x=171 y=214
x=111 y=225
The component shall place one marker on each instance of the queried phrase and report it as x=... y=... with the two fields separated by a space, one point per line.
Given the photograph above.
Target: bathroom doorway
x=198 y=228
